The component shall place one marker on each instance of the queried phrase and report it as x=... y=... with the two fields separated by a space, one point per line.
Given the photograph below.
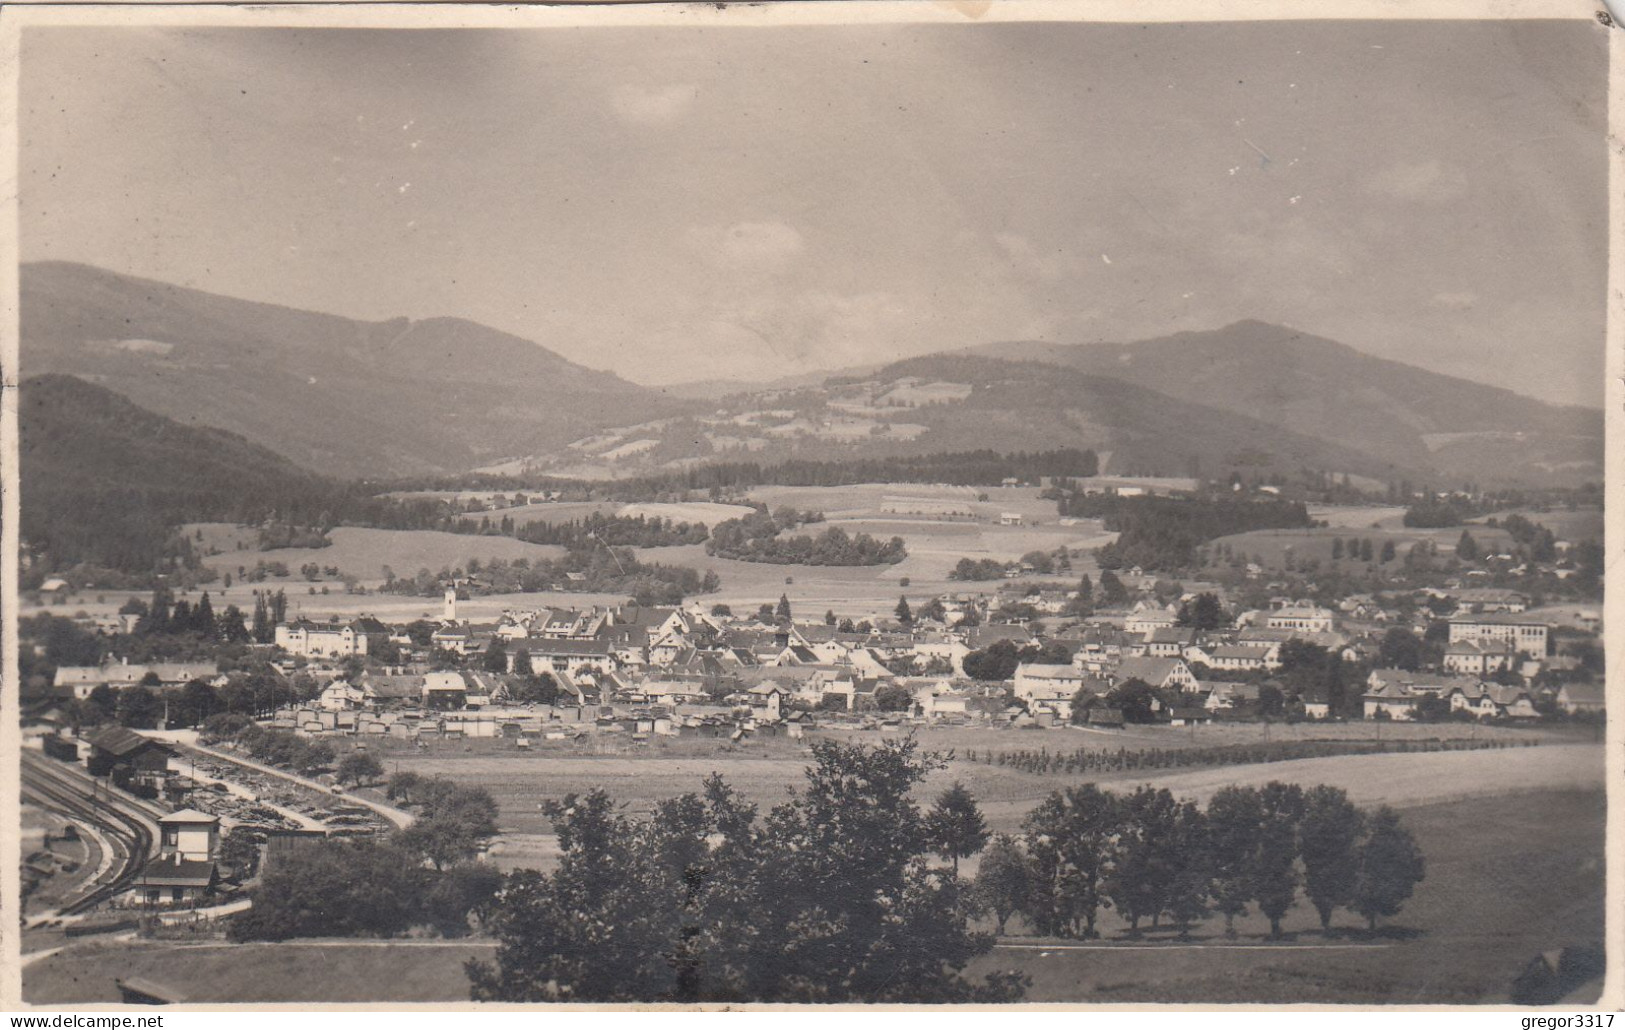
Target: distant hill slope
x=341 y=396
x=1395 y=413
x=105 y=481
x=1016 y=405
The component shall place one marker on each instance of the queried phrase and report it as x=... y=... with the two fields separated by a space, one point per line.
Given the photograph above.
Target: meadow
x=363 y=553
x=859 y=500
x=1583 y=524
x=1271 y=545
x=551 y=513
x=568 y=511
x=1370 y=516
x=312 y=971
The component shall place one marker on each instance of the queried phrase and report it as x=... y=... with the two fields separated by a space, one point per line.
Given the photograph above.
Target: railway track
x=130 y=833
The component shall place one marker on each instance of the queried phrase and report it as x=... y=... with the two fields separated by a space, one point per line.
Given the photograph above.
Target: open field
x=1362 y=517
x=692 y=511
x=1498 y=892
x=363 y=553
x=1586 y=524
x=1271 y=545
x=316 y=970
x=552 y=512
x=1507 y=878
x=568 y=511
x=555 y=512
x=860 y=500
x=639 y=775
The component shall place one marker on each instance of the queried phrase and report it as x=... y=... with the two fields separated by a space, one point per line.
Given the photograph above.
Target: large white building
x=331 y=639
x=1301 y=619
x=1527 y=635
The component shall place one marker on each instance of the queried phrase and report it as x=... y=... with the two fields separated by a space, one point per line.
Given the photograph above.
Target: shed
x=138 y=990
x=114 y=747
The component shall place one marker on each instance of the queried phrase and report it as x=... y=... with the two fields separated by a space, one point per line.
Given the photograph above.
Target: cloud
x=656 y=105
x=748 y=246
x=1460 y=301
x=1422 y=181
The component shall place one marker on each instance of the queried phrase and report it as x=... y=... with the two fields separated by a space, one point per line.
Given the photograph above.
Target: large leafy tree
x=193 y=703
x=1328 y=841
x=997 y=661
x=1390 y=867
x=1235 y=823
x=336 y=889
x=1072 y=837
x=1004 y=880
x=1400 y=649
x=495 y=658
x=139 y=708
x=1275 y=886
x=454 y=822
x=1190 y=876
x=359 y=767
x=1467 y=547
x=105 y=699
x=521 y=663
x=1135 y=697
x=1112 y=590
x=1144 y=868
x=595 y=929
x=1204 y=612
x=954 y=826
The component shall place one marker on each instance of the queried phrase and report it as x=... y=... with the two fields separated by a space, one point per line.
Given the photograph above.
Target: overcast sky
x=683 y=203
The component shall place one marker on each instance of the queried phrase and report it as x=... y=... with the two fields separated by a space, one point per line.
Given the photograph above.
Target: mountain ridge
x=105 y=481
x=405 y=397
x=1407 y=415
x=341 y=396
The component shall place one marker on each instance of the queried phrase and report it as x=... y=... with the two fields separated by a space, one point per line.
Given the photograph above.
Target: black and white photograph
x=843 y=504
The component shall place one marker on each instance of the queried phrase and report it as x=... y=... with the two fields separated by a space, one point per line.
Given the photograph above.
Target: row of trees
x=148 y=705
x=1360 y=549
x=1151 y=857
x=613 y=531
x=833 y=897
x=998 y=660
x=295 y=751
x=591 y=568
x=1043 y=762
x=1439 y=513
x=166 y=616
x=1043 y=563
x=975 y=570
